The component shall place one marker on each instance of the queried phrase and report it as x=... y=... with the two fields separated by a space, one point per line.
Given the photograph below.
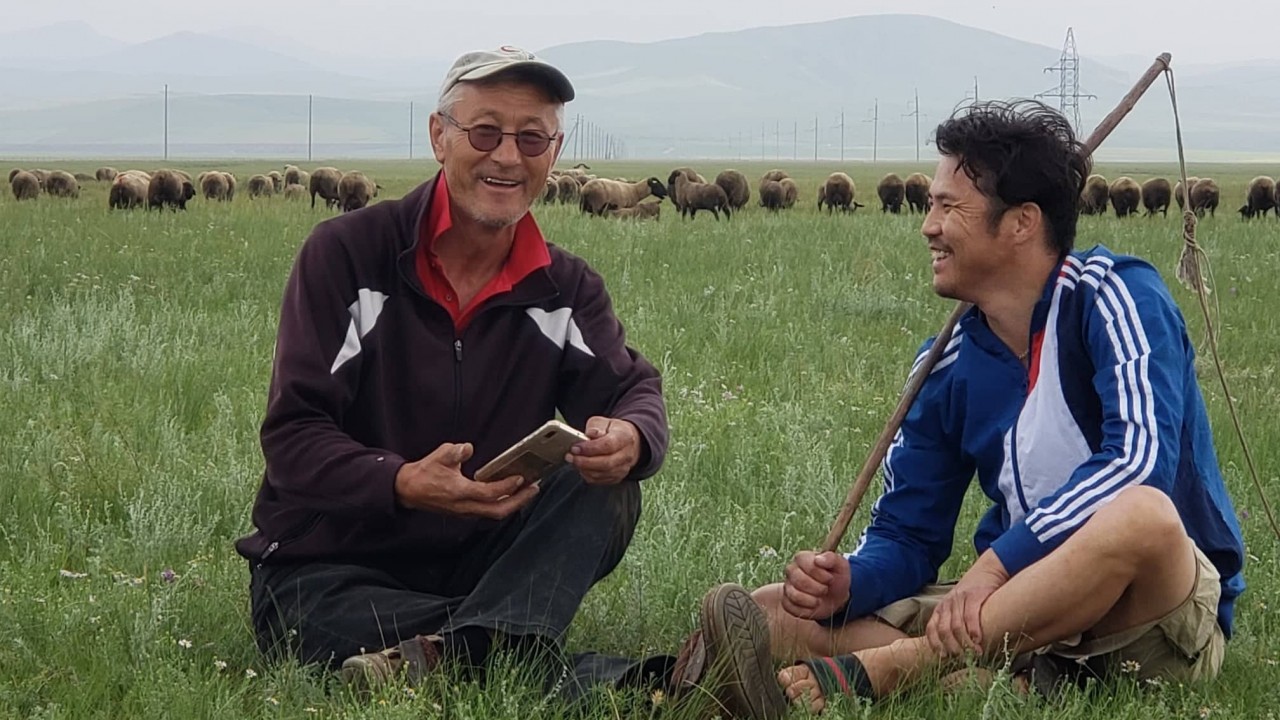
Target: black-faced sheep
x=671 y=182
x=128 y=190
x=838 y=192
x=567 y=189
x=917 y=192
x=550 y=190
x=1125 y=196
x=1205 y=196
x=643 y=211
x=105 y=174
x=168 y=189
x=1156 y=195
x=261 y=186
x=790 y=192
x=1259 y=198
x=277 y=181
x=355 y=189
x=891 y=191
x=1178 y=195
x=25 y=185
x=61 y=184
x=772 y=195
x=294 y=192
x=324 y=182
x=214 y=186
x=695 y=196
x=603 y=193
x=1093 y=198
x=736 y=187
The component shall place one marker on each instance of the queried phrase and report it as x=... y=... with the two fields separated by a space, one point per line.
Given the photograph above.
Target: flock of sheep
x=690 y=192
x=172 y=188
x=1154 y=195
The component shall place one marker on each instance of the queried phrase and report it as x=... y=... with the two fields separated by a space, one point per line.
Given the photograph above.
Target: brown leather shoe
x=415 y=657
x=727 y=664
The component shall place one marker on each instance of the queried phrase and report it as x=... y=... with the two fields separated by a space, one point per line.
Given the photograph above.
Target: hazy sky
x=1195 y=32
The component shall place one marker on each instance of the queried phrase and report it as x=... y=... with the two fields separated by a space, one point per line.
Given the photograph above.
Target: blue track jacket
x=1110 y=401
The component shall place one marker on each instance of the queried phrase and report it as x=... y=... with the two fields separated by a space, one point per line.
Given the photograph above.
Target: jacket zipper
x=1013 y=434
x=457 y=383
x=275 y=544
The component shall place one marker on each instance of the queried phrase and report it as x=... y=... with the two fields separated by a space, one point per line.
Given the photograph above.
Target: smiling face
x=495 y=188
x=969 y=250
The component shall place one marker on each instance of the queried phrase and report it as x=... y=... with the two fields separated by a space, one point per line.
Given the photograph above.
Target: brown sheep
x=1125 y=196
x=892 y=191
x=1156 y=195
x=14 y=173
x=128 y=190
x=1093 y=199
x=689 y=173
x=771 y=195
x=214 y=185
x=168 y=189
x=599 y=194
x=84 y=178
x=355 y=189
x=1277 y=201
x=1178 y=195
x=790 y=192
x=838 y=191
x=917 y=191
x=736 y=187
x=1259 y=198
x=549 y=192
x=695 y=196
x=293 y=176
x=277 y=181
x=61 y=184
x=1205 y=196
x=568 y=189
x=294 y=191
x=41 y=175
x=105 y=174
x=774 y=175
x=25 y=185
x=324 y=182
x=261 y=186
x=643 y=211
x=231 y=185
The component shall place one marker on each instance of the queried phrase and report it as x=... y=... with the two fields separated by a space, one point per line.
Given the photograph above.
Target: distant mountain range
x=753 y=93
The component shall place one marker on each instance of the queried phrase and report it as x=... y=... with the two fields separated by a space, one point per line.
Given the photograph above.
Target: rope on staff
x=1190 y=275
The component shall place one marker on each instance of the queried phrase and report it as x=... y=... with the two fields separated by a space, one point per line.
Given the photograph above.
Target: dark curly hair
x=1018 y=152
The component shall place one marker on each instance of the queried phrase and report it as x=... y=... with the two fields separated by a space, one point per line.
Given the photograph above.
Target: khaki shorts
x=1185 y=645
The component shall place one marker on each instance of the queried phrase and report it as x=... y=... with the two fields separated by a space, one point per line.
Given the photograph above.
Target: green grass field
x=135 y=351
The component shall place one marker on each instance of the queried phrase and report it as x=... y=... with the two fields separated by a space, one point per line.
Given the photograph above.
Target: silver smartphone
x=537 y=455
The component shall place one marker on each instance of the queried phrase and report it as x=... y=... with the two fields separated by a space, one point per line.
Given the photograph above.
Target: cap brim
x=555 y=80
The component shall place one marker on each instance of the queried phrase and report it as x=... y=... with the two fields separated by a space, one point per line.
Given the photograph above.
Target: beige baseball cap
x=486 y=63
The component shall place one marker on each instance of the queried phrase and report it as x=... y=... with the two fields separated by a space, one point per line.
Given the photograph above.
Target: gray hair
x=449 y=99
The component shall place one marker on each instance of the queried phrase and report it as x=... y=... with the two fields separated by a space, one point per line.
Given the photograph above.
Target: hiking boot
x=414 y=658
x=727 y=661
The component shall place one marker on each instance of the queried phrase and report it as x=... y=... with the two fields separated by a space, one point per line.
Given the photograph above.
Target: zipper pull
x=270 y=549
x=457 y=350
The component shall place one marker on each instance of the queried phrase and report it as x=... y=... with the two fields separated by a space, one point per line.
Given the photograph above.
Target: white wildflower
x=220 y=664
x=250 y=673
x=70 y=575
x=184 y=643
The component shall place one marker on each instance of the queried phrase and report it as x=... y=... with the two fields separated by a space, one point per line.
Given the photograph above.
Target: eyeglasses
x=487 y=138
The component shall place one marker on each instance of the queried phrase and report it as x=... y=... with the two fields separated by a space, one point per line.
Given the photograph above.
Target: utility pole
x=1068 y=90
x=166 y=121
x=916 y=112
x=841 y=135
x=777 y=140
x=309 y=103
x=762 y=140
x=815 y=138
x=875 y=130
x=795 y=139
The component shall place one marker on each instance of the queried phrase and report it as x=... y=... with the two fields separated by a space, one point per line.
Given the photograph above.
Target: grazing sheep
x=277 y=181
x=128 y=190
x=1259 y=198
x=1178 y=196
x=294 y=191
x=643 y=211
x=772 y=195
x=549 y=192
x=1093 y=199
x=1277 y=201
x=214 y=186
x=25 y=185
x=85 y=177
x=568 y=189
x=1205 y=196
x=917 y=191
x=695 y=196
x=261 y=186
x=355 y=189
x=231 y=185
x=293 y=176
x=601 y=193
x=41 y=175
x=1125 y=196
x=61 y=184
x=671 y=182
x=1156 y=194
x=892 y=191
x=324 y=182
x=838 y=191
x=790 y=192
x=168 y=188
x=14 y=173
x=105 y=174
x=304 y=179
x=736 y=187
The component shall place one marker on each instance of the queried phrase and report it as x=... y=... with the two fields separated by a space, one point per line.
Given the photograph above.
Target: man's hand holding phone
x=436 y=483
x=610 y=452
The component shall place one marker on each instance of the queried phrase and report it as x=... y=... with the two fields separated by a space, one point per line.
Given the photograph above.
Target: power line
x=1068 y=91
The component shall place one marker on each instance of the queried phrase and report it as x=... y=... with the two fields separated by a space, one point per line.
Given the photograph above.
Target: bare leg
x=1131 y=563
x=793 y=638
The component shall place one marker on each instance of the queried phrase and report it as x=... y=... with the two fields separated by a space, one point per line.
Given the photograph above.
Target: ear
x=1028 y=222
x=436 y=130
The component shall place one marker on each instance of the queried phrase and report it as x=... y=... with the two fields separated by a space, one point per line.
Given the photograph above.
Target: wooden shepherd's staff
x=917 y=379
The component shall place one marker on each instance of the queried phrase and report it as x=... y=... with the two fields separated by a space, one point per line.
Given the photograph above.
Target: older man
x=1070 y=391
x=418 y=339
